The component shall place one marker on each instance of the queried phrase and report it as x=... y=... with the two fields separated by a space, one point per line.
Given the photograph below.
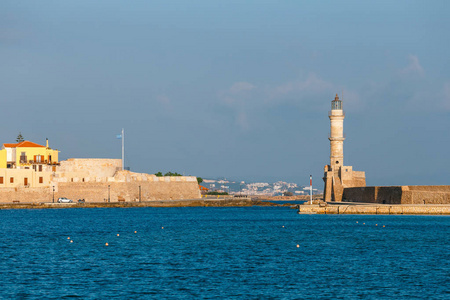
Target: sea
x=221 y=253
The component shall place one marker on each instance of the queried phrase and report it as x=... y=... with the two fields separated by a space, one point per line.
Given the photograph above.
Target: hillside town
x=278 y=188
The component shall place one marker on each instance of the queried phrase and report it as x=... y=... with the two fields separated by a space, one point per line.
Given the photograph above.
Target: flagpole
x=123 y=151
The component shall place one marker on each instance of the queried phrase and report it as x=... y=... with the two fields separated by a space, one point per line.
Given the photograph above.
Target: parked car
x=81 y=201
x=64 y=200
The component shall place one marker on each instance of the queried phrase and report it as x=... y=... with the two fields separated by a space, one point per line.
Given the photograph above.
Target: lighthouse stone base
x=338 y=178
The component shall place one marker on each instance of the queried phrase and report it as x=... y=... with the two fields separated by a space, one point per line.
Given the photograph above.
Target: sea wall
x=376 y=209
x=157 y=188
x=437 y=194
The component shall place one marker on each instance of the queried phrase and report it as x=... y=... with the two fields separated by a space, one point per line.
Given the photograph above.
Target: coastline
x=154 y=203
x=322 y=208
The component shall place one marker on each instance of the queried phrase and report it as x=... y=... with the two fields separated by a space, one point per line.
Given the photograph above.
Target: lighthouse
x=337 y=176
x=336 y=137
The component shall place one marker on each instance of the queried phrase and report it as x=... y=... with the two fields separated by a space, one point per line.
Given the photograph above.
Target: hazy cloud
x=311 y=89
x=413 y=67
x=310 y=84
x=236 y=98
x=238 y=91
x=240 y=87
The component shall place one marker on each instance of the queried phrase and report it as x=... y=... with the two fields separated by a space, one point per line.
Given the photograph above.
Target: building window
x=1 y=179
x=337 y=161
x=41 y=179
x=11 y=179
x=34 y=167
x=40 y=168
x=23 y=157
x=54 y=169
x=25 y=181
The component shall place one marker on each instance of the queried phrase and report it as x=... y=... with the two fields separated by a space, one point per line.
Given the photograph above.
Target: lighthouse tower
x=337 y=176
x=336 y=137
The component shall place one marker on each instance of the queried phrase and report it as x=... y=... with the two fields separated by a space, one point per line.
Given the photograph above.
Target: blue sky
x=237 y=89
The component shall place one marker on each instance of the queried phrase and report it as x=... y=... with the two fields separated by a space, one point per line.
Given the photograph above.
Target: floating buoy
x=283 y=226
x=117 y=234
x=356 y=222
x=135 y=231
x=162 y=227
x=376 y=224
x=298 y=246
x=383 y=225
x=106 y=244
x=364 y=223
x=71 y=241
x=68 y=237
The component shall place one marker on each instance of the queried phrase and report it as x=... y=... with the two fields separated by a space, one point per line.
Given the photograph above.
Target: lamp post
x=139 y=193
x=109 y=194
x=53 y=194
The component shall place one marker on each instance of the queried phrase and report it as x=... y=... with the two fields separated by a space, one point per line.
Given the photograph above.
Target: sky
x=235 y=89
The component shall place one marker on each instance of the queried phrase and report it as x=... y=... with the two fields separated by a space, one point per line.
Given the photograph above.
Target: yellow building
x=28 y=155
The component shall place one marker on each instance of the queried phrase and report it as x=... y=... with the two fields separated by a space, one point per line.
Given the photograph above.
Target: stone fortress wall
x=423 y=194
x=97 y=180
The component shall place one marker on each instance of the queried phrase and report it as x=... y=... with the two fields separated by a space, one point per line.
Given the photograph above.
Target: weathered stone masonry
x=98 y=180
x=420 y=194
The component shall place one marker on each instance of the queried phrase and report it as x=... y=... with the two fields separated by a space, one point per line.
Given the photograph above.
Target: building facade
x=27 y=155
x=27 y=164
x=337 y=176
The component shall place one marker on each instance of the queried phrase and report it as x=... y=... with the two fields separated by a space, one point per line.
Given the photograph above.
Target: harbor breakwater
x=356 y=209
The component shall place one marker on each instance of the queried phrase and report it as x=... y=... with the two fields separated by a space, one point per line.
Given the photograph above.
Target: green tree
x=216 y=193
x=19 y=138
x=172 y=174
x=199 y=180
x=159 y=174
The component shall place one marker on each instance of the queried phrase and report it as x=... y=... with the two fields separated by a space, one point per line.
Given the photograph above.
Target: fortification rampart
x=438 y=194
x=89 y=167
x=125 y=186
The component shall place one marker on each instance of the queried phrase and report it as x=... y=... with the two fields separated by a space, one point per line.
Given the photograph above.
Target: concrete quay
x=374 y=209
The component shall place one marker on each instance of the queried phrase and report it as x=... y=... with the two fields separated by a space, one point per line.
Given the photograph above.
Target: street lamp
x=53 y=194
x=139 y=193
x=109 y=193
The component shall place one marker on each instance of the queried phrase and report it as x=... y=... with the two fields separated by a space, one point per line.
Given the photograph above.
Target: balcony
x=330 y=113
x=24 y=161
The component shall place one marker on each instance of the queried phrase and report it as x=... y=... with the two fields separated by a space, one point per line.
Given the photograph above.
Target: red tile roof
x=24 y=144
x=10 y=145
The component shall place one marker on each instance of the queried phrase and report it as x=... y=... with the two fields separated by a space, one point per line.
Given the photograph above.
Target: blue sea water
x=221 y=253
